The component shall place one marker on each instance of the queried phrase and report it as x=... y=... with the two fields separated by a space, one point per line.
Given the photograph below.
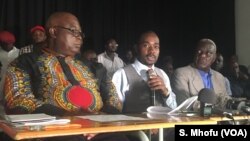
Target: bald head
x=206 y=42
x=59 y=17
x=205 y=54
x=64 y=33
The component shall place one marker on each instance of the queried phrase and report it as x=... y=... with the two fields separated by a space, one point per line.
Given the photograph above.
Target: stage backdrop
x=179 y=23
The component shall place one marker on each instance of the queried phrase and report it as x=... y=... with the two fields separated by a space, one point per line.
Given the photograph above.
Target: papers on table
x=109 y=118
x=184 y=106
x=30 y=117
x=158 y=110
x=35 y=119
x=44 y=122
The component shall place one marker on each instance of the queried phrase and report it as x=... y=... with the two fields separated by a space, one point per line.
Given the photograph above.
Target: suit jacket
x=187 y=82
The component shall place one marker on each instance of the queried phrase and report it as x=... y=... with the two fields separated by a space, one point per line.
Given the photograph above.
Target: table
x=82 y=126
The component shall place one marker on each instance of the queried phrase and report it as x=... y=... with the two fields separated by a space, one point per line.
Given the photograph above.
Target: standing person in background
x=129 y=57
x=38 y=36
x=243 y=68
x=8 y=52
x=111 y=103
x=54 y=82
x=167 y=65
x=239 y=81
x=110 y=59
x=89 y=55
x=218 y=66
x=189 y=80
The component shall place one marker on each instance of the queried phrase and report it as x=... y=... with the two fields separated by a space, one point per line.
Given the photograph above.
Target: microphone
x=151 y=73
x=245 y=109
x=234 y=106
x=238 y=105
x=207 y=99
x=223 y=113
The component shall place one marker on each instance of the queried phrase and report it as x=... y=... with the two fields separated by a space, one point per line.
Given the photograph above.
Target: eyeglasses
x=74 y=32
x=207 y=53
x=113 y=44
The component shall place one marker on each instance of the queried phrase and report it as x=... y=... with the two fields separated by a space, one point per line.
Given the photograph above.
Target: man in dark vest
x=135 y=86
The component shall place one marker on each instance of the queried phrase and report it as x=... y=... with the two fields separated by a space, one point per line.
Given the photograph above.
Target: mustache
x=151 y=55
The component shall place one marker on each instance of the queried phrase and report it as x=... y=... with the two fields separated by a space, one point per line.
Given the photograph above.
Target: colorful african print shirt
x=35 y=79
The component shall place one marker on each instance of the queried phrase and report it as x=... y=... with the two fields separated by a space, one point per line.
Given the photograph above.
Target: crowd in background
x=115 y=84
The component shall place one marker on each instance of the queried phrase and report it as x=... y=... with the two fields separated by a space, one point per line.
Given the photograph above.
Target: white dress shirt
x=6 y=58
x=109 y=64
x=121 y=83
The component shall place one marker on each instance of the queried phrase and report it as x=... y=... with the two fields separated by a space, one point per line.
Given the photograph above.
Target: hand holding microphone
x=151 y=74
x=156 y=83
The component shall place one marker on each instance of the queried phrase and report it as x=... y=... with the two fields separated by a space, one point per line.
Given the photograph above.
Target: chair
x=137 y=136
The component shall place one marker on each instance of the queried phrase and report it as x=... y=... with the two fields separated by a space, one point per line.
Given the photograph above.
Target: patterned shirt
x=36 y=79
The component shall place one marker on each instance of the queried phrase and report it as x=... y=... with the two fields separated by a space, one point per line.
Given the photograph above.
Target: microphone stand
x=230 y=116
x=151 y=73
x=153 y=98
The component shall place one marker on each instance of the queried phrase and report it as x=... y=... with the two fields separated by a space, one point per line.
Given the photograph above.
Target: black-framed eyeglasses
x=74 y=32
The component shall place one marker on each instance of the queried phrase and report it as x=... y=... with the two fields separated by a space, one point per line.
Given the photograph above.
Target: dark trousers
x=100 y=137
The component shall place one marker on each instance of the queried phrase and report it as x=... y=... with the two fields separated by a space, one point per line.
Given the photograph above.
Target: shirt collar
x=203 y=73
x=53 y=53
x=1 y=49
x=141 y=68
x=106 y=55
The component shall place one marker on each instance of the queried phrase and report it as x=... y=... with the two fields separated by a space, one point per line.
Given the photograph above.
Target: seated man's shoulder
x=184 y=69
x=97 y=66
x=217 y=74
x=99 y=56
x=159 y=69
x=29 y=55
x=27 y=46
x=27 y=59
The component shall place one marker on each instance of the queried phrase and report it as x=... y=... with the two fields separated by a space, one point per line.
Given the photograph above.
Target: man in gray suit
x=189 y=80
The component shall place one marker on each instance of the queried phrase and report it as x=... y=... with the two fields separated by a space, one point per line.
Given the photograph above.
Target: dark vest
x=138 y=97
